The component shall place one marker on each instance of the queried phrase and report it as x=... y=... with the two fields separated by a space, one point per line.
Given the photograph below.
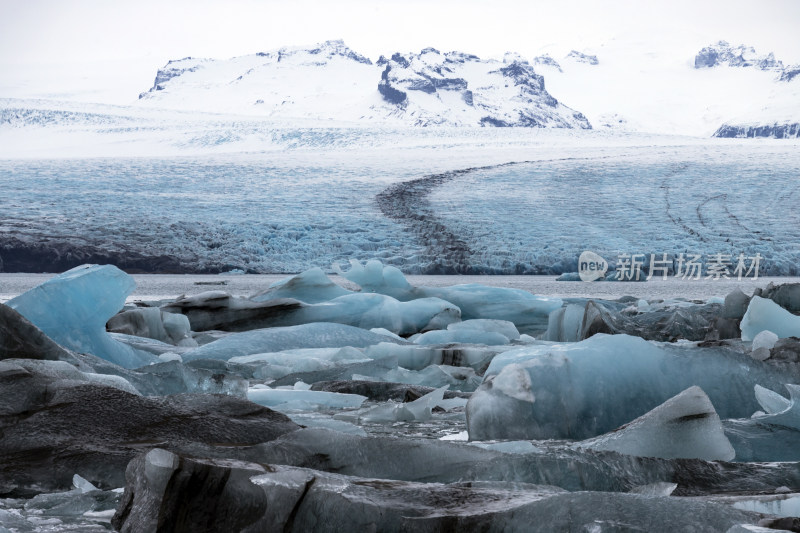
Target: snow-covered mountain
x=778 y=114
x=461 y=89
x=332 y=82
x=722 y=53
x=631 y=83
x=675 y=86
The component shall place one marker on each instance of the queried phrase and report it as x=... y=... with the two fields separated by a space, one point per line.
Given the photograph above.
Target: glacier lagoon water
x=273 y=213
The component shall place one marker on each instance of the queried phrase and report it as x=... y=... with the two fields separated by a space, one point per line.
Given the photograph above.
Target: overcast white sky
x=102 y=47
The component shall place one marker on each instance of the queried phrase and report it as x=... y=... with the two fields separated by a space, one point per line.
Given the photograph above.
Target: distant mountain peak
x=330 y=81
x=723 y=53
x=488 y=92
x=580 y=57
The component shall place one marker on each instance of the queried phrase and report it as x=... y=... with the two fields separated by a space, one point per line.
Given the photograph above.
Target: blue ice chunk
x=380 y=311
x=73 y=308
x=581 y=390
x=303 y=400
x=276 y=365
x=525 y=310
x=311 y=286
x=489 y=338
x=789 y=416
x=475 y=331
x=317 y=335
x=419 y=410
x=763 y=314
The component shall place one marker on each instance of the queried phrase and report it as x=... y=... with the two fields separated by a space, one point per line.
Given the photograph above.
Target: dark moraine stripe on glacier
x=447 y=253
x=407 y=203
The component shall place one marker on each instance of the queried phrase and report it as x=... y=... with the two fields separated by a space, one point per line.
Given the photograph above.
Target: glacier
x=250 y=231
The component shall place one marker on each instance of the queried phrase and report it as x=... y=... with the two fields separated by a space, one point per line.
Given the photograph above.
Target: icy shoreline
x=341 y=396
x=164 y=286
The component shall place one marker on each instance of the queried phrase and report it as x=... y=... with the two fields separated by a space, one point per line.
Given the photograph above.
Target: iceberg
x=370 y=311
x=153 y=323
x=242 y=496
x=684 y=427
x=418 y=357
x=780 y=412
x=769 y=435
x=317 y=335
x=475 y=331
x=566 y=324
x=458 y=378
x=763 y=344
x=298 y=399
x=581 y=390
x=763 y=314
x=529 y=313
x=73 y=308
x=218 y=310
x=276 y=365
x=418 y=410
x=311 y=287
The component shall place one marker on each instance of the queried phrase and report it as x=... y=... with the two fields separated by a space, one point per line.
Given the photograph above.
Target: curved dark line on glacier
x=407 y=203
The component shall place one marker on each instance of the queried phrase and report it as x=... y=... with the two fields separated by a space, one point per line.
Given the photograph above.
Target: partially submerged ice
x=311 y=287
x=153 y=323
x=241 y=496
x=684 y=427
x=418 y=357
x=763 y=314
x=298 y=399
x=581 y=390
x=369 y=311
x=526 y=311
x=418 y=410
x=73 y=308
x=771 y=434
x=317 y=335
x=476 y=331
x=779 y=410
x=275 y=365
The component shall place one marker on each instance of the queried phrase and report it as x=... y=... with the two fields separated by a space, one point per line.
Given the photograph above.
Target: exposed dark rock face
x=515 y=96
x=334 y=48
x=790 y=73
x=583 y=58
x=178 y=67
x=547 y=61
x=53 y=426
x=723 y=53
x=389 y=93
x=774 y=131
